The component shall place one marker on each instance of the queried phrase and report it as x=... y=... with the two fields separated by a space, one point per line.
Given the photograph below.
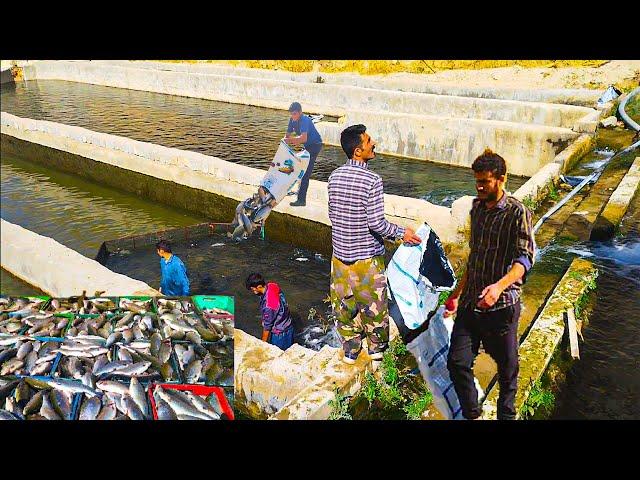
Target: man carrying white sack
x=416 y=276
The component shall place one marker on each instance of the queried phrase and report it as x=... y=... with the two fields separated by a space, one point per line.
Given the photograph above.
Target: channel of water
x=233 y=132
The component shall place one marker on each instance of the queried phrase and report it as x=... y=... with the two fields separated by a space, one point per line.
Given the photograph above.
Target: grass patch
x=339 y=407
x=530 y=203
x=540 y=402
x=392 y=394
x=414 y=409
x=553 y=194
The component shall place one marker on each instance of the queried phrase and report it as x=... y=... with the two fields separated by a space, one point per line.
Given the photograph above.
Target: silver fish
x=214 y=401
x=124 y=356
x=165 y=352
x=108 y=411
x=193 y=371
x=30 y=361
x=133 y=369
x=180 y=403
x=188 y=356
x=61 y=402
x=163 y=410
x=113 y=387
x=133 y=410
x=175 y=324
x=90 y=409
x=155 y=342
x=203 y=406
x=136 y=391
x=113 y=338
x=24 y=350
x=100 y=362
x=11 y=366
x=41 y=368
x=66 y=385
x=47 y=410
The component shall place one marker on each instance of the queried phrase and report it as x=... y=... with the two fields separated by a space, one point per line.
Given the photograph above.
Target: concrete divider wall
x=211 y=174
x=333 y=99
x=405 y=82
x=58 y=270
x=456 y=141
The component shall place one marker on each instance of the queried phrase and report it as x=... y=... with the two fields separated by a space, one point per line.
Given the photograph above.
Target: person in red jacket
x=277 y=327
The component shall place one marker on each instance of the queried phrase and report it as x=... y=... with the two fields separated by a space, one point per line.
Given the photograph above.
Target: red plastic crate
x=196 y=390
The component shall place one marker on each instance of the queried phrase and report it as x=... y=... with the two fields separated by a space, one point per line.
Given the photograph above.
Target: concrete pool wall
x=208 y=185
x=404 y=82
x=58 y=270
x=444 y=128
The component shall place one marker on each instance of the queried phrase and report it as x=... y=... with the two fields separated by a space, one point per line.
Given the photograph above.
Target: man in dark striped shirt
x=487 y=299
x=358 y=227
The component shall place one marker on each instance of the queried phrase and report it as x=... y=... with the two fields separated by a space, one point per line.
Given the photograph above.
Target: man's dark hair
x=350 y=138
x=490 y=161
x=254 y=280
x=164 y=245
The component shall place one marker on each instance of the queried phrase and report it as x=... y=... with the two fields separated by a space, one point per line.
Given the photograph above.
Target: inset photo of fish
x=116 y=358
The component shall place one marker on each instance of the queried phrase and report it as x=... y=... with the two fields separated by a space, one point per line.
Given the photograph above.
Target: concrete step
x=581 y=222
x=610 y=217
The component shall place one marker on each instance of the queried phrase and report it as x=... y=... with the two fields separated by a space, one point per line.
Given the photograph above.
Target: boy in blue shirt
x=301 y=130
x=174 y=280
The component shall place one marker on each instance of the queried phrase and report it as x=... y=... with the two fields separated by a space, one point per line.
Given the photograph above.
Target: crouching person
x=277 y=327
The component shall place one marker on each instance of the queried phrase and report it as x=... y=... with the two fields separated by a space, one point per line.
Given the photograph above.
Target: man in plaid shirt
x=487 y=298
x=358 y=282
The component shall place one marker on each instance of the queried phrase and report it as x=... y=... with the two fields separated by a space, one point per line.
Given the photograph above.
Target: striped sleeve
x=525 y=246
x=375 y=213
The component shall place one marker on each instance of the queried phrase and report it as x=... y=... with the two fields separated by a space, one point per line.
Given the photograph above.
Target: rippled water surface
x=82 y=214
x=236 y=133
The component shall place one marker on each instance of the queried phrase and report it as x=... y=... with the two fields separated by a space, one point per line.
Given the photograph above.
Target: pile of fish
x=106 y=355
x=136 y=305
x=87 y=358
x=174 y=404
x=99 y=325
x=20 y=355
x=191 y=327
x=24 y=315
x=82 y=305
x=40 y=398
x=118 y=401
x=208 y=363
x=166 y=305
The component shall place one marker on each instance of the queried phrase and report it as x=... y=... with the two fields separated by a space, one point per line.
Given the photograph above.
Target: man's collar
x=358 y=163
x=501 y=204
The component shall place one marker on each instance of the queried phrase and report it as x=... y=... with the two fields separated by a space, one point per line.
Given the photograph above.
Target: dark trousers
x=313 y=150
x=282 y=340
x=498 y=332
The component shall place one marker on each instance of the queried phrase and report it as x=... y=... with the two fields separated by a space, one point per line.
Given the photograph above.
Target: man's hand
x=451 y=306
x=490 y=296
x=410 y=237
